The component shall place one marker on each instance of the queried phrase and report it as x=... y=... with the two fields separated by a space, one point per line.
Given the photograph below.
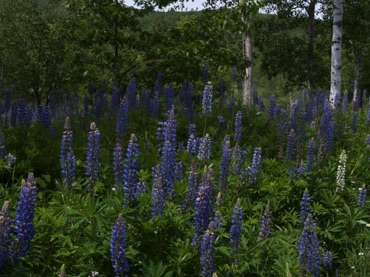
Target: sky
x=197 y=4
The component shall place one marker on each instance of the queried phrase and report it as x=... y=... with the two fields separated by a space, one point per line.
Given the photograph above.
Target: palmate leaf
x=156 y=270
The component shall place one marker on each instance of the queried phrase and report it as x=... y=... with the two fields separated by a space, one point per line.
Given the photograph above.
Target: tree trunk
x=356 y=90
x=311 y=43
x=336 y=49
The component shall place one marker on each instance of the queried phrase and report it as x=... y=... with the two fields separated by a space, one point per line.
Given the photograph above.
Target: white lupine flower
x=341 y=171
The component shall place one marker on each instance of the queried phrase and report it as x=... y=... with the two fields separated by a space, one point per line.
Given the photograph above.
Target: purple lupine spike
x=192 y=146
x=157 y=192
x=327 y=261
x=192 y=188
x=129 y=177
x=169 y=94
x=180 y=147
x=207 y=99
x=122 y=117
x=327 y=127
x=255 y=96
x=131 y=92
x=265 y=223
x=290 y=146
x=145 y=100
x=67 y=160
x=218 y=222
x=236 y=227
x=118 y=248
x=192 y=129
x=207 y=252
x=204 y=204
x=179 y=170
x=221 y=120
x=252 y=170
x=23 y=228
x=118 y=165
x=361 y=196
x=169 y=132
x=354 y=122
x=305 y=206
x=14 y=114
x=92 y=156
x=310 y=155
x=5 y=233
x=168 y=170
x=238 y=160
x=309 y=249
x=22 y=113
x=204 y=148
x=272 y=110
x=10 y=159
x=224 y=166
x=238 y=127
x=141 y=187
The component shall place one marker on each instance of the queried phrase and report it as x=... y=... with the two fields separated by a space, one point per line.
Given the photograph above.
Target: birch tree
x=336 y=52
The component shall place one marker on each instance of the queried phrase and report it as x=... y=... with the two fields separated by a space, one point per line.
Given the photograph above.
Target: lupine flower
x=265 y=223
x=23 y=228
x=225 y=164
x=192 y=146
x=122 y=117
x=5 y=233
x=327 y=261
x=274 y=107
x=157 y=192
x=180 y=146
x=305 y=206
x=118 y=166
x=218 y=222
x=238 y=127
x=327 y=127
x=354 y=122
x=236 y=227
x=290 y=146
x=169 y=94
x=10 y=159
x=367 y=140
x=361 y=196
x=204 y=204
x=207 y=100
x=168 y=170
x=14 y=114
x=204 y=148
x=310 y=155
x=192 y=188
x=252 y=170
x=221 y=120
x=207 y=252
x=94 y=274
x=238 y=159
x=341 y=171
x=92 y=156
x=118 y=248
x=192 y=129
x=179 y=170
x=67 y=160
x=129 y=177
x=309 y=248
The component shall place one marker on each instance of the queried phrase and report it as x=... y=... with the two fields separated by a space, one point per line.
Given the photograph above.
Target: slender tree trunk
x=336 y=49
x=356 y=90
x=248 y=55
x=311 y=43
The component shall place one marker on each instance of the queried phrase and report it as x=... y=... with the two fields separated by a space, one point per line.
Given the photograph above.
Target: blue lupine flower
x=92 y=156
x=23 y=228
x=145 y=100
x=225 y=164
x=158 y=83
x=218 y=222
x=207 y=252
x=354 y=122
x=157 y=192
x=252 y=170
x=129 y=177
x=274 y=107
x=260 y=103
x=204 y=148
x=10 y=159
x=265 y=223
x=310 y=155
x=5 y=233
x=204 y=204
x=118 y=248
x=361 y=196
x=290 y=146
x=122 y=117
x=327 y=127
x=179 y=170
x=192 y=188
x=67 y=160
x=221 y=120
x=305 y=206
x=168 y=170
x=236 y=227
x=169 y=94
x=328 y=261
x=309 y=248
x=238 y=127
x=14 y=114
x=238 y=160
x=192 y=146
x=118 y=165
x=131 y=92
x=207 y=100
x=22 y=113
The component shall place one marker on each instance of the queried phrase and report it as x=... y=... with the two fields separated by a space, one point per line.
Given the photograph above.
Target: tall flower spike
x=361 y=196
x=118 y=165
x=157 y=192
x=236 y=227
x=92 y=157
x=305 y=206
x=341 y=171
x=23 y=227
x=238 y=160
x=118 y=248
x=207 y=100
x=204 y=148
x=122 y=117
x=265 y=223
x=5 y=233
x=309 y=248
x=310 y=155
x=207 y=252
x=328 y=261
x=290 y=146
x=238 y=127
x=192 y=146
x=224 y=166
x=193 y=184
x=130 y=170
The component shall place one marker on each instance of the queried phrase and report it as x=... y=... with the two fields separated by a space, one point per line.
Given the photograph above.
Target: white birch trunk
x=336 y=49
